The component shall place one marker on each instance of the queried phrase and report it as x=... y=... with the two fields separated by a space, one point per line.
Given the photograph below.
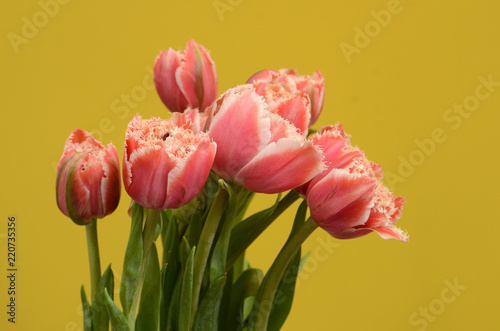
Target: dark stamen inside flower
x=165 y=136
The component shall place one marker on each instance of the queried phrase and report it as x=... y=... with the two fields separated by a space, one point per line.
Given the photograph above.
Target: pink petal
x=148 y=167
x=341 y=200
x=240 y=129
x=281 y=166
x=166 y=65
x=196 y=76
x=189 y=176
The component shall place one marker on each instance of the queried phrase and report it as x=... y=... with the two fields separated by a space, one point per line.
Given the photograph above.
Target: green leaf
x=173 y=311
x=87 y=312
x=148 y=317
x=100 y=320
x=184 y=252
x=195 y=226
x=247 y=285
x=282 y=303
x=219 y=254
x=118 y=320
x=207 y=314
x=186 y=304
x=247 y=231
x=133 y=260
x=170 y=264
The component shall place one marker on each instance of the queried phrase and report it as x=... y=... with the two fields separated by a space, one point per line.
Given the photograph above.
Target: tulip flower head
x=166 y=162
x=313 y=86
x=88 y=178
x=257 y=148
x=349 y=199
x=186 y=79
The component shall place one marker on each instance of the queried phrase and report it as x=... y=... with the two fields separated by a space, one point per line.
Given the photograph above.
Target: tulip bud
x=88 y=184
x=186 y=79
x=166 y=162
x=349 y=200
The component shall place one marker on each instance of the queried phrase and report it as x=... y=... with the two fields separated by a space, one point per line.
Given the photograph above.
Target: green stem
x=94 y=260
x=264 y=300
x=205 y=243
x=148 y=238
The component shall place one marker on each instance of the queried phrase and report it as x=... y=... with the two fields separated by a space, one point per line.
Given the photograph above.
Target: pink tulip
x=88 y=178
x=186 y=79
x=166 y=162
x=348 y=199
x=313 y=85
x=256 y=148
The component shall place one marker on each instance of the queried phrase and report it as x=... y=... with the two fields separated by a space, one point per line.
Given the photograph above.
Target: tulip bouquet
x=191 y=179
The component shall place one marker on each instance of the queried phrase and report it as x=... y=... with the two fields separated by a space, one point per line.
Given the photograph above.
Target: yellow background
x=396 y=89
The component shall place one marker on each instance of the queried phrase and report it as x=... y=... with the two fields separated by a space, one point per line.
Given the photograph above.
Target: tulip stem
x=94 y=260
x=205 y=243
x=265 y=297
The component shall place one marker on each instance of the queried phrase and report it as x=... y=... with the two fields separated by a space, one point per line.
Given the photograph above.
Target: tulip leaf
x=174 y=308
x=118 y=320
x=225 y=299
x=207 y=314
x=184 y=251
x=170 y=263
x=99 y=312
x=148 y=317
x=247 y=231
x=219 y=254
x=282 y=303
x=133 y=260
x=245 y=286
x=186 y=302
x=87 y=312
x=195 y=226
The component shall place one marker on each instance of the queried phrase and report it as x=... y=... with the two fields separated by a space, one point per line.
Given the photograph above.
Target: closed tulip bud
x=186 y=79
x=349 y=200
x=257 y=148
x=88 y=178
x=166 y=162
x=313 y=86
